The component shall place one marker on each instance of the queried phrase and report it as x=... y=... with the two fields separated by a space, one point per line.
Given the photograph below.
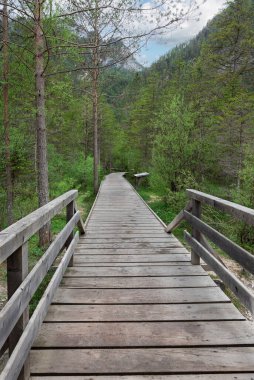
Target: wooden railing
x=17 y=330
x=200 y=247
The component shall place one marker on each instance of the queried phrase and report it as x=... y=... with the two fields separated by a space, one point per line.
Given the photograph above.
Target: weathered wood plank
x=145 y=313
x=121 y=264
x=130 y=245
x=142 y=361
x=87 y=258
x=134 y=271
x=131 y=251
x=128 y=239
x=18 y=233
x=138 y=282
x=217 y=376
x=124 y=234
x=139 y=296
x=145 y=334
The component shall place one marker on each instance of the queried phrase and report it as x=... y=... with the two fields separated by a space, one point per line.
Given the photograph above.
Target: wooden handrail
x=237 y=287
x=200 y=248
x=20 y=232
x=16 y=329
x=16 y=305
x=243 y=213
x=239 y=254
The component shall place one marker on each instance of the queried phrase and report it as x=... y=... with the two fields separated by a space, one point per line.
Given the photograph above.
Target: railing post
x=17 y=270
x=196 y=211
x=70 y=211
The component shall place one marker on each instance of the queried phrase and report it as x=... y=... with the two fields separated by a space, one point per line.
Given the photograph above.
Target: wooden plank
x=126 y=264
x=156 y=312
x=217 y=376
x=138 y=282
x=144 y=334
x=13 y=367
x=243 y=257
x=237 y=287
x=87 y=258
x=142 y=361
x=19 y=301
x=139 y=296
x=243 y=213
x=131 y=251
x=123 y=229
x=130 y=245
x=128 y=239
x=14 y=236
x=124 y=234
x=134 y=271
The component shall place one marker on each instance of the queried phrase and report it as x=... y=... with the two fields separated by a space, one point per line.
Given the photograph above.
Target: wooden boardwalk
x=133 y=306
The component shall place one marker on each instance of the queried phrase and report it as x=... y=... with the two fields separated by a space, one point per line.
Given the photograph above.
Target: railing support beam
x=196 y=211
x=70 y=211
x=17 y=270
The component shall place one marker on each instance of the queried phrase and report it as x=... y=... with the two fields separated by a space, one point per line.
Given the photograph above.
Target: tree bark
x=41 y=133
x=95 y=94
x=6 y=123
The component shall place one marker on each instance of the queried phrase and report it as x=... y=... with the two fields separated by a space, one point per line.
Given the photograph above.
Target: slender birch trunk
x=6 y=123
x=41 y=133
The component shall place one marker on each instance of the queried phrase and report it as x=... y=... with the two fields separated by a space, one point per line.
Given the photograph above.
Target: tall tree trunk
x=6 y=124
x=95 y=79
x=41 y=133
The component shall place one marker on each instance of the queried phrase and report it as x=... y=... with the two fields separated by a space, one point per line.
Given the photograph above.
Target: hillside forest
x=188 y=119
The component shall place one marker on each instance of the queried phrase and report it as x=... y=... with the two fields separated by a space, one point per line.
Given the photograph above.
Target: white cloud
x=160 y=44
x=192 y=27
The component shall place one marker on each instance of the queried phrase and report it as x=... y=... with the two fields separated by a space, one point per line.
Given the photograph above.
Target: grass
x=162 y=209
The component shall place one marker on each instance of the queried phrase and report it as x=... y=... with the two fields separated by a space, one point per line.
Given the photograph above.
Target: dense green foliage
x=188 y=119
x=191 y=124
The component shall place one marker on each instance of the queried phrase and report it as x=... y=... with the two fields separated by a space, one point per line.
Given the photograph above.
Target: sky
x=160 y=45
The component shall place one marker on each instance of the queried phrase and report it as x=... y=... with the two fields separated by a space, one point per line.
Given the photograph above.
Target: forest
x=187 y=119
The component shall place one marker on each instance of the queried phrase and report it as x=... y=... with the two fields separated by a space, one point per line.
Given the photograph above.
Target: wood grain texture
x=145 y=334
x=130 y=251
x=85 y=259
x=139 y=296
x=217 y=376
x=138 y=282
x=143 y=271
x=142 y=361
x=156 y=312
